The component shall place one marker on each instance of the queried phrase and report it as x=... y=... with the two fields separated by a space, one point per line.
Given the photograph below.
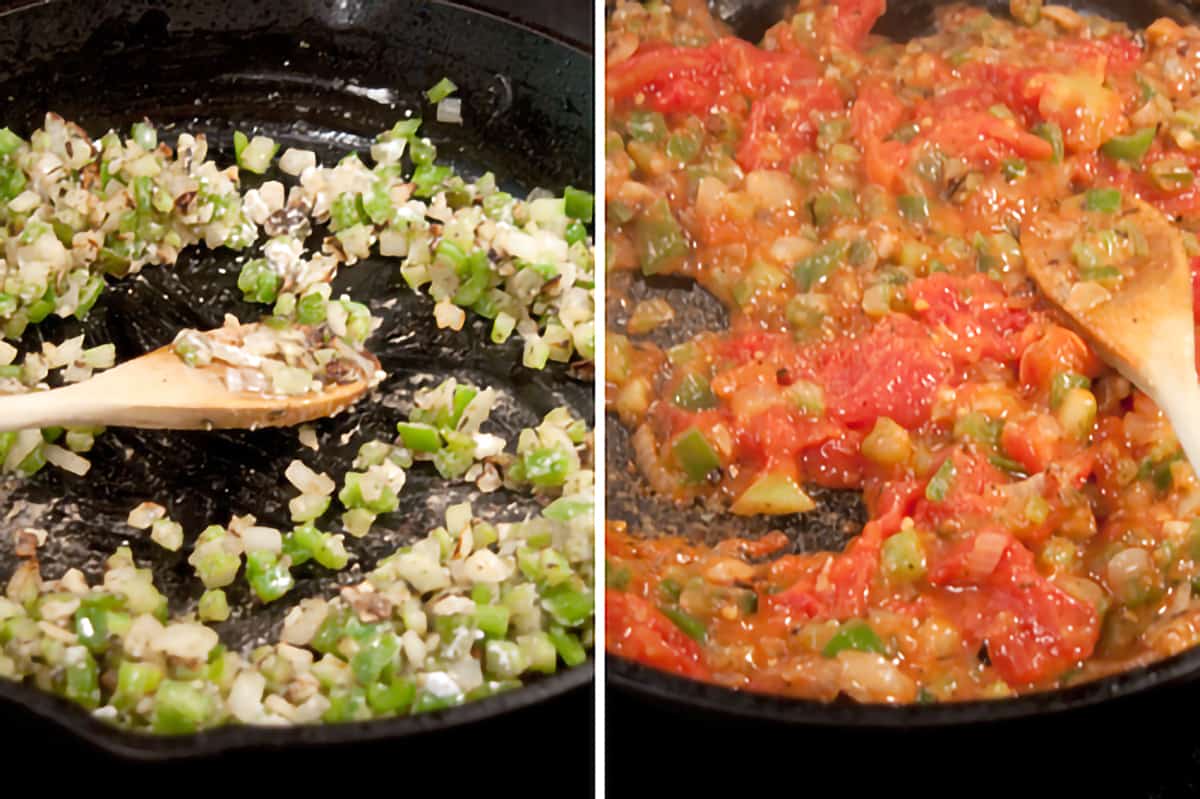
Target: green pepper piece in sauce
x=1131 y=148
x=690 y=626
x=856 y=635
x=695 y=455
x=659 y=240
x=939 y=484
x=1104 y=200
x=1052 y=133
x=694 y=394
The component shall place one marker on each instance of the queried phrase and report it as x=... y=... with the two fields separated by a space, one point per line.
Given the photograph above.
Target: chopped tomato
x=838 y=591
x=1088 y=112
x=1183 y=200
x=1032 y=442
x=1033 y=629
x=854 y=20
x=1113 y=55
x=894 y=371
x=1195 y=263
x=984 y=139
x=969 y=496
x=994 y=514
x=752 y=345
x=1058 y=350
x=692 y=79
x=981 y=320
x=1001 y=83
x=780 y=433
x=890 y=502
x=875 y=115
x=781 y=126
x=758 y=72
x=638 y=631
x=837 y=462
x=685 y=79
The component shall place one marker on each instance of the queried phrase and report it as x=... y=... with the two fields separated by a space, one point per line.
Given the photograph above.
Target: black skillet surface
x=839 y=513
x=327 y=76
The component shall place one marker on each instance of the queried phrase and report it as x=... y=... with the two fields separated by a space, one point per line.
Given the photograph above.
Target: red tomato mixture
x=859 y=206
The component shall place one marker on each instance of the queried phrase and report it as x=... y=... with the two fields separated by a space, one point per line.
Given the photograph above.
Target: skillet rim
x=661 y=686
x=148 y=746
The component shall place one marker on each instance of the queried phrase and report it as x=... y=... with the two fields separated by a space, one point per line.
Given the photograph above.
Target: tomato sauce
x=859 y=206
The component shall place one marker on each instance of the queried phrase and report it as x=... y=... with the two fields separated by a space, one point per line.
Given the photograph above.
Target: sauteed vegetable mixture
x=859 y=206
x=470 y=609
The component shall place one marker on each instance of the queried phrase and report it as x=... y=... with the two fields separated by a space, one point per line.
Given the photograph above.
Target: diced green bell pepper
x=856 y=635
x=695 y=455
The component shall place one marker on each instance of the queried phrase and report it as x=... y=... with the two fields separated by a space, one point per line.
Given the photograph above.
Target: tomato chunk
x=685 y=79
x=692 y=79
x=1058 y=350
x=638 y=631
x=875 y=115
x=1033 y=630
x=781 y=127
x=1195 y=263
x=854 y=20
x=982 y=322
x=894 y=371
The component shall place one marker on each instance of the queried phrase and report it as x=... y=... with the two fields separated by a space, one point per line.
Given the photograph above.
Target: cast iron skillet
x=839 y=513
x=328 y=76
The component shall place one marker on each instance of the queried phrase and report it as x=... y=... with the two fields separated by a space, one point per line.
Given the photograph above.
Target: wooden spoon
x=159 y=391
x=1144 y=327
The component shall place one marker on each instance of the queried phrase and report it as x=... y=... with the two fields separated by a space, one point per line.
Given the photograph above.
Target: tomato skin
x=1037 y=631
x=753 y=345
x=638 y=631
x=1006 y=84
x=986 y=140
x=1118 y=54
x=780 y=434
x=837 y=462
x=843 y=590
x=1058 y=350
x=757 y=72
x=890 y=502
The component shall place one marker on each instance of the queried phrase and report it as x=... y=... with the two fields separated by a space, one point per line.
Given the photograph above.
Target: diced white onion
x=67 y=460
x=145 y=515
x=294 y=161
x=186 y=640
x=308 y=481
x=262 y=539
x=449 y=111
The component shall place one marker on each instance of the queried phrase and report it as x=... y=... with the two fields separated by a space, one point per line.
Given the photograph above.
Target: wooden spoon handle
x=62 y=407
